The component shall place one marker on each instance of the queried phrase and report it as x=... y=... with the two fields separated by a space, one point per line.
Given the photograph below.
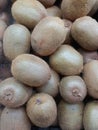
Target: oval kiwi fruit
x=90 y=116
x=82 y=34
x=70 y=115
x=52 y=86
x=42 y=110
x=31 y=70
x=66 y=61
x=13 y=93
x=90 y=75
x=73 y=89
x=16 y=41
x=48 y=35
x=14 y=119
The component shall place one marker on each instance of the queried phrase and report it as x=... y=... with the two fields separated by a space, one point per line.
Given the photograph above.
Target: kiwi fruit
x=29 y=12
x=13 y=93
x=82 y=34
x=88 y=55
x=70 y=115
x=90 y=76
x=54 y=11
x=14 y=119
x=52 y=86
x=47 y=3
x=73 y=9
x=48 y=35
x=90 y=116
x=42 y=110
x=31 y=70
x=73 y=89
x=3 y=27
x=66 y=60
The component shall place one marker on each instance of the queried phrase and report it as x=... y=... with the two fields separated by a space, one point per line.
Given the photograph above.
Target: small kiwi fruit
x=90 y=75
x=48 y=35
x=16 y=41
x=52 y=86
x=85 y=33
x=13 y=93
x=29 y=12
x=66 y=60
x=73 y=89
x=42 y=110
x=73 y=9
x=70 y=115
x=31 y=70
x=14 y=119
x=90 y=117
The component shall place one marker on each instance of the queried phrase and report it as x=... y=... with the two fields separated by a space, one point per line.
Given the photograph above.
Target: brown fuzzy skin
x=29 y=12
x=16 y=41
x=85 y=33
x=5 y=17
x=30 y=70
x=13 y=93
x=52 y=86
x=90 y=117
x=54 y=11
x=73 y=89
x=48 y=35
x=3 y=4
x=88 y=55
x=90 y=75
x=70 y=115
x=15 y=119
x=68 y=24
x=66 y=61
x=73 y=9
x=3 y=27
x=42 y=110
x=47 y=3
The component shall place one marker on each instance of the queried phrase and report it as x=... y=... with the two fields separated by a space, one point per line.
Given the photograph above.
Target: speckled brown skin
x=54 y=11
x=84 y=31
x=90 y=75
x=30 y=70
x=13 y=93
x=28 y=12
x=47 y=3
x=52 y=86
x=14 y=119
x=3 y=27
x=42 y=110
x=90 y=116
x=73 y=9
x=48 y=35
x=66 y=61
x=88 y=55
x=3 y=4
x=16 y=41
x=70 y=116
x=73 y=89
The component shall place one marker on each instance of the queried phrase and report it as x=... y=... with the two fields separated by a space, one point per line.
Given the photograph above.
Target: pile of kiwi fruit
x=48 y=64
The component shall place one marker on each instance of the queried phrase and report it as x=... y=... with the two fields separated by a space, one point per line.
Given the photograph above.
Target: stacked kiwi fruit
x=48 y=64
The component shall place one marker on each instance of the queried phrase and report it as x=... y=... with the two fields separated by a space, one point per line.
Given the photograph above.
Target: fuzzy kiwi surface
x=48 y=35
x=29 y=12
x=90 y=116
x=13 y=93
x=16 y=41
x=90 y=75
x=42 y=110
x=66 y=60
x=70 y=115
x=30 y=70
x=81 y=32
x=14 y=119
x=73 y=89
x=52 y=86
